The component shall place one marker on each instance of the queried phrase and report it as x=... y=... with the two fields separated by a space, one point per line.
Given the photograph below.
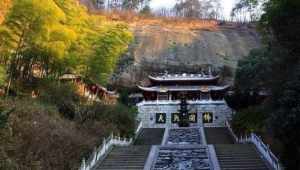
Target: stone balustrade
x=263 y=149
x=107 y=145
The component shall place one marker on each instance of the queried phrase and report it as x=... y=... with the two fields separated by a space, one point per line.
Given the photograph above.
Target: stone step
x=127 y=164
x=126 y=158
x=239 y=157
x=123 y=158
x=119 y=166
x=245 y=168
x=150 y=136
x=233 y=159
x=121 y=161
x=134 y=148
x=238 y=154
x=258 y=165
x=218 y=136
x=133 y=154
x=122 y=167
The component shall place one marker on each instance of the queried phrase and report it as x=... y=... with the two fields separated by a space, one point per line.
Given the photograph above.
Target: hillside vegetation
x=274 y=69
x=44 y=123
x=4 y=6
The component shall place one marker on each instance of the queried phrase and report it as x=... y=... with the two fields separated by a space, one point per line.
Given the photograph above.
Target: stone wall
x=221 y=113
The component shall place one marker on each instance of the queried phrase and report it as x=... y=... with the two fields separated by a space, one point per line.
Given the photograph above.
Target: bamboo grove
x=45 y=39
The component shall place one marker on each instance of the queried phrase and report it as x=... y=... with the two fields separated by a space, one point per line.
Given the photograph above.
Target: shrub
x=119 y=116
x=62 y=95
x=249 y=120
x=243 y=100
x=4 y=114
x=38 y=137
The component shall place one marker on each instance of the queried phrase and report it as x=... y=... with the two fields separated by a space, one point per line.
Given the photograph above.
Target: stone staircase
x=125 y=158
x=230 y=156
x=150 y=136
x=218 y=136
x=233 y=156
x=239 y=157
x=132 y=157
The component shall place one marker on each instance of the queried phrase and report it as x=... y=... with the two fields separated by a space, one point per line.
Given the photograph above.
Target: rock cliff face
x=180 y=46
x=178 y=49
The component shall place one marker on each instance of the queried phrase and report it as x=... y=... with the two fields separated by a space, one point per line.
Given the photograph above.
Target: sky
x=226 y=4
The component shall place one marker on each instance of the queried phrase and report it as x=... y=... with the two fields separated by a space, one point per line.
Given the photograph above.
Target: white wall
x=147 y=114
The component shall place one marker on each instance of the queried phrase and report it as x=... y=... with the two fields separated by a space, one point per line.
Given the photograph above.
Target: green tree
x=250 y=6
x=252 y=70
x=35 y=35
x=58 y=36
x=280 y=60
x=281 y=20
x=109 y=47
x=3 y=76
x=4 y=7
x=146 y=11
x=134 y=4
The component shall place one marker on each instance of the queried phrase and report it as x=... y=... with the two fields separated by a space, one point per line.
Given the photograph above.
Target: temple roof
x=184 y=77
x=164 y=89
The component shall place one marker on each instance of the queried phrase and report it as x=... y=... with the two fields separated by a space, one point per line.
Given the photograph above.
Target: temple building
x=162 y=100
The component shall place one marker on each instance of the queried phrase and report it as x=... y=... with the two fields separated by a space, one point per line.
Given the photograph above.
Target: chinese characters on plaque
x=161 y=118
x=176 y=117
x=207 y=117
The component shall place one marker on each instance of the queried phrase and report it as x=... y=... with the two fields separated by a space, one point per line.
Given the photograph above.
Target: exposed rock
x=176 y=49
x=180 y=45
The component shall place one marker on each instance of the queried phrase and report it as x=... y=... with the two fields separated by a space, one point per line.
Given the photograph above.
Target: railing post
x=83 y=164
